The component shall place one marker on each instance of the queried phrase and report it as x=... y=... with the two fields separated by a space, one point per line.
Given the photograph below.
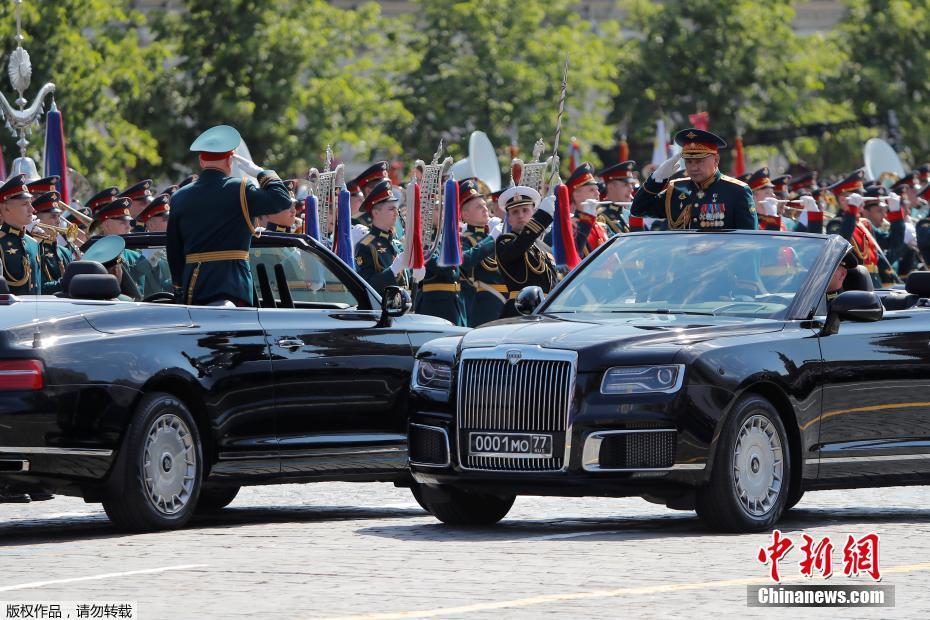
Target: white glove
x=666 y=169
x=894 y=202
x=248 y=166
x=548 y=205
x=769 y=206
x=496 y=230
x=357 y=233
x=419 y=274
x=809 y=203
x=589 y=207
x=494 y=221
x=855 y=200
x=398 y=265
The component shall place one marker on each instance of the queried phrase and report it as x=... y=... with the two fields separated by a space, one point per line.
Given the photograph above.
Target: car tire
x=749 y=484
x=460 y=507
x=213 y=498
x=417 y=492
x=159 y=468
x=793 y=499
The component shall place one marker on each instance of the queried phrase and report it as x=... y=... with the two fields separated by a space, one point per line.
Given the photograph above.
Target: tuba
x=325 y=186
x=882 y=164
x=533 y=173
x=431 y=196
x=480 y=164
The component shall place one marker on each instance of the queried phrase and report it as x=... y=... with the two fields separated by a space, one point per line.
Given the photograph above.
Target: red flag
x=701 y=120
x=739 y=159
x=574 y=156
x=624 y=150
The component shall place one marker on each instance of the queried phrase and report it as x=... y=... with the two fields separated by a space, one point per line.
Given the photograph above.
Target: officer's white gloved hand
x=248 y=166
x=496 y=230
x=809 y=203
x=894 y=202
x=589 y=207
x=419 y=274
x=548 y=205
x=357 y=233
x=855 y=200
x=492 y=222
x=769 y=206
x=666 y=169
x=398 y=265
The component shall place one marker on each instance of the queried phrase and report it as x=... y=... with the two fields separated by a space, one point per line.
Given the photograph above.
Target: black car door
x=340 y=379
x=876 y=398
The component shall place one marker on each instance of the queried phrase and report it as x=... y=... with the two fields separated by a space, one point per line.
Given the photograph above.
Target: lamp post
x=20 y=119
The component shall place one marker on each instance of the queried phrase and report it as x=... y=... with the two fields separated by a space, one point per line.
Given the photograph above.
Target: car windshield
x=715 y=274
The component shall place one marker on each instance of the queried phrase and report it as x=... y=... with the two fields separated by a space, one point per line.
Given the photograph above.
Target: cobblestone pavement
x=367 y=550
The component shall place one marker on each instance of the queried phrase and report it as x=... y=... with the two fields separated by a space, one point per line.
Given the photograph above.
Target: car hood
x=602 y=340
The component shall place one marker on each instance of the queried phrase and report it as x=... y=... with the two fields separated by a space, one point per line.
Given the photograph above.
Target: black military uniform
x=720 y=202
x=53 y=257
x=19 y=252
x=611 y=214
x=520 y=260
x=376 y=251
x=210 y=229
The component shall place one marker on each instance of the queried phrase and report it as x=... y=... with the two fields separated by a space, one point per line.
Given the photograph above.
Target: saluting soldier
x=140 y=196
x=379 y=257
x=520 y=259
x=53 y=257
x=483 y=286
x=763 y=195
x=365 y=183
x=706 y=198
x=19 y=251
x=210 y=228
x=858 y=231
x=619 y=181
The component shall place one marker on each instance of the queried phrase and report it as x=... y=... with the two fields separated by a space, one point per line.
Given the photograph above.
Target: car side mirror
x=394 y=302
x=861 y=306
x=529 y=299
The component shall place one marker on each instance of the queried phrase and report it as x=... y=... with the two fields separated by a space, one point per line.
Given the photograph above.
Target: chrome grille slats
x=532 y=395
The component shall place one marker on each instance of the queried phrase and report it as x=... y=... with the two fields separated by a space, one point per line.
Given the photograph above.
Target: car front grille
x=529 y=396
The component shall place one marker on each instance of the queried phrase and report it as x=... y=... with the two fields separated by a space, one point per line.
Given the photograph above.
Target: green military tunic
x=374 y=254
x=54 y=259
x=720 y=202
x=440 y=293
x=483 y=286
x=611 y=216
x=523 y=263
x=152 y=272
x=20 y=256
x=210 y=232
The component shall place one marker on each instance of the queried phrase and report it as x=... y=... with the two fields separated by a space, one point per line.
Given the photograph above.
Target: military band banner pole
x=558 y=124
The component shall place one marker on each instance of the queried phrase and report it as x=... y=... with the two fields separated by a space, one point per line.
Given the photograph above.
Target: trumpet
x=71 y=232
x=86 y=220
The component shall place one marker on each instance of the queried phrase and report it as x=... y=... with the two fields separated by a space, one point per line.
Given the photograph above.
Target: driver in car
x=836 y=281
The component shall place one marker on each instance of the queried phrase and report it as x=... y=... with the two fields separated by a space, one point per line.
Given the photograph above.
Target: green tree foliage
x=292 y=76
x=92 y=51
x=886 y=60
x=497 y=67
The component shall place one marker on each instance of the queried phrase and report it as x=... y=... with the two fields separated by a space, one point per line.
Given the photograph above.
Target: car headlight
x=643 y=379
x=432 y=375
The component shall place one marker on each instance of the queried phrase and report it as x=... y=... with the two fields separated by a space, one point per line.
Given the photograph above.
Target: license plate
x=510 y=444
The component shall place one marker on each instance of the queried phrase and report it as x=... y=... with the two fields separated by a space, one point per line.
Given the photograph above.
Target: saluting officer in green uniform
x=154 y=262
x=141 y=195
x=379 y=257
x=705 y=199
x=520 y=260
x=19 y=251
x=483 y=287
x=365 y=184
x=210 y=229
x=619 y=181
x=53 y=257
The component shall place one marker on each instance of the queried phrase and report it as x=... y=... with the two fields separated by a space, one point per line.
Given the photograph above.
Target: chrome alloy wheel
x=758 y=465
x=169 y=464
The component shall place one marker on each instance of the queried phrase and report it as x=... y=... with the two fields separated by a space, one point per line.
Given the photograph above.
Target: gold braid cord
x=27 y=271
x=683 y=218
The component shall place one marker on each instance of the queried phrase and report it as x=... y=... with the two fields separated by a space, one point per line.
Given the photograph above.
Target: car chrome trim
x=590 y=454
x=445 y=435
x=527 y=352
x=59 y=451
x=22 y=463
x=868 y=459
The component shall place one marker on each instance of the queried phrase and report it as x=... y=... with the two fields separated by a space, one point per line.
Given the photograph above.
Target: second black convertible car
x=156 y=409
x=700 y=370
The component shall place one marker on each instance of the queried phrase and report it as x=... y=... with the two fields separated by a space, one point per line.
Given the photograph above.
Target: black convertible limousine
x=156 y=409
x=700 y=370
